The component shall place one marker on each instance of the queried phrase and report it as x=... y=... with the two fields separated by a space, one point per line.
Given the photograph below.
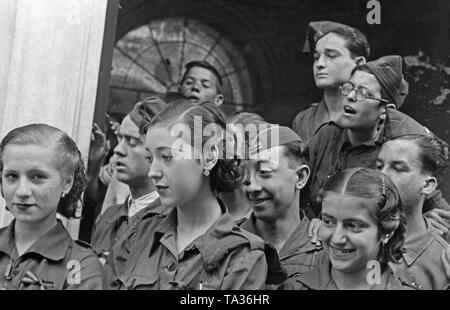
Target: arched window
x=150 y=59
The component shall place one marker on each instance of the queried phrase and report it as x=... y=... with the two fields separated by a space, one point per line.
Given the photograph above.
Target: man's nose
x=352 y=96
x=320 y=62
x=120 y=148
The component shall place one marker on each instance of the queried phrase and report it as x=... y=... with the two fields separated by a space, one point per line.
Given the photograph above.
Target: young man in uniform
x=337 y=50
x=132 y=169
x=277 y=174
x=414 y=163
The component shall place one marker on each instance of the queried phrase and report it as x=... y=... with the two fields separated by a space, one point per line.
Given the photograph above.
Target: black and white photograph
x=250 y=147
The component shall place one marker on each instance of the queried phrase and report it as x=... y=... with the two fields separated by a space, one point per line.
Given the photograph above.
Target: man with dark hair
x=337 y=50
x=132 y=169
x=414 y=163
x=367 y=122
x=277 y=174
x=202 y=82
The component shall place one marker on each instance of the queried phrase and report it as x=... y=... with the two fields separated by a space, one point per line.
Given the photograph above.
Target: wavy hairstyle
x=433 y=153
x=227 y=174
x=386 y=208
x=65 y=149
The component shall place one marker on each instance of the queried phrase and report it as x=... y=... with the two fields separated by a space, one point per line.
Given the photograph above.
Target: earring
x=63 y=195
x=205 y=172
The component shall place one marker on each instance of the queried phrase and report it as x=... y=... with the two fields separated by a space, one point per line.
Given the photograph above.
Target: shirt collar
x=298 y=242
x=321 y=115
x=122 y=212
x=377 y=141
x=221 y=228
x=416 y=245
x=320 y=279
x=136 y=205
x=53 y=245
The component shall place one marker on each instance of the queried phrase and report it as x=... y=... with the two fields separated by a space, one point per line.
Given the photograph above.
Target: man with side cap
x=132 y=169
x=367 y=122
x=278 y=171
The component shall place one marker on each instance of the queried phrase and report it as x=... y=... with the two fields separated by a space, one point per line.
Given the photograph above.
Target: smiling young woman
x=42 y=174
x=362 y=231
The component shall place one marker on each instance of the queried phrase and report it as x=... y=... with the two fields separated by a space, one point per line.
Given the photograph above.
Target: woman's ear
x=210 y=159
x=429 y=186
x=68 y=183
x=302 y=176
x=386 y=237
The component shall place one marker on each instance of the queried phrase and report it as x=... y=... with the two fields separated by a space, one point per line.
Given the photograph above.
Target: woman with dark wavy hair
x=198 y=244
x=42 y=174
x=362 y=231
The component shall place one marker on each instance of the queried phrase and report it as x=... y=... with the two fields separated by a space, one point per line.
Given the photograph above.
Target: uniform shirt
x=154 y=263
x=421 y=264
x=321 y=279
x=308 y=121
x=54 y=261
x=330 y=151
x=115 y=222
x=298 y=253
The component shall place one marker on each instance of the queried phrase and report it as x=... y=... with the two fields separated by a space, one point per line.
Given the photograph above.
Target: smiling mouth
x=349 y=110
x=260 y=201
x=342 y=252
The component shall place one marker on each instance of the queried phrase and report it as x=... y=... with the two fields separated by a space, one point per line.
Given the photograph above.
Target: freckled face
x=32 y=183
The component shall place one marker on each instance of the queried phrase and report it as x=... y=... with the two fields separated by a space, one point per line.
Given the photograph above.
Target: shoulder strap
x=276 y=274
x=219 y=250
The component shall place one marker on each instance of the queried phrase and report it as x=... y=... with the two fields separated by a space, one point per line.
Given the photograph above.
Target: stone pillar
x=50 y=55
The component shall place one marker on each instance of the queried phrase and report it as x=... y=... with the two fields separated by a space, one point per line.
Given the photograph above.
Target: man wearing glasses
x=367 y=121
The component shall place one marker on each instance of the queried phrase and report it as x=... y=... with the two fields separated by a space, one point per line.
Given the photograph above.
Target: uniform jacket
x=421 y=265
x=114 y=223
x=225 y=257
x=53 y=262
x=298 y=253
x=330 y=151
x=321 y=279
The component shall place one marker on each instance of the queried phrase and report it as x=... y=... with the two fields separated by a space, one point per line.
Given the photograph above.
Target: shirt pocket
x=137 y=282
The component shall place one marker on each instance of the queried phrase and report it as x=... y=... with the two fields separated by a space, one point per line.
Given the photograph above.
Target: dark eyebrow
x=399 y=162
x=332 y=50
x=130 y=136
x=327 y=215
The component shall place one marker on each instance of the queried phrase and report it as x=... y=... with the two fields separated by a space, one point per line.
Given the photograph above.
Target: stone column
x=50 y=56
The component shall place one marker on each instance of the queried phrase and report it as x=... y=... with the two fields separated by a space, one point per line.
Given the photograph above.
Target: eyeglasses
x=362 y=93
